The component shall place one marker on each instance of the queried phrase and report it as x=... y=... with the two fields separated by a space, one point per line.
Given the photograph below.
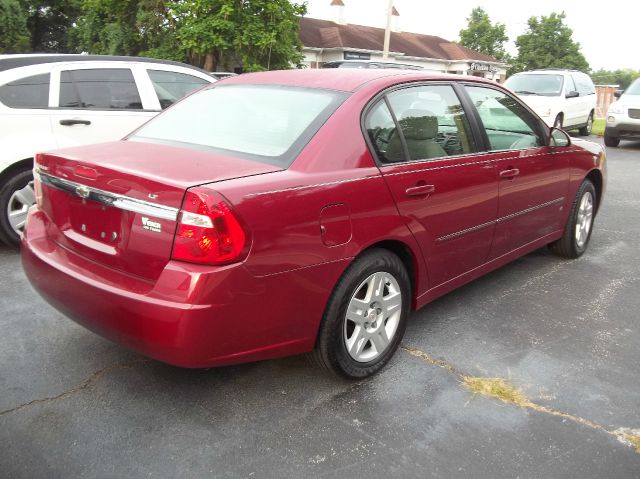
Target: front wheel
x=611 y=140
x=16 y=197
x=365 y=317
x=577 y=231
x=586 y=130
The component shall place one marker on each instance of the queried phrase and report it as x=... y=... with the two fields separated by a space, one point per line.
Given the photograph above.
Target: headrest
x=418 y=124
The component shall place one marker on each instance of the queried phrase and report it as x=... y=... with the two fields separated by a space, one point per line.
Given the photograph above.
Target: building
x=328 y=41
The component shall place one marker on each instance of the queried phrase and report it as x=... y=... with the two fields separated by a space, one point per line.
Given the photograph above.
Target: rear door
x=533 y=180
x=425 y=148
x=98 y=102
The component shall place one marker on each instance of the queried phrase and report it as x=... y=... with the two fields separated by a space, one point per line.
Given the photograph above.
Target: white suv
x=623 y=117
x=562 y=98
x=56 y=101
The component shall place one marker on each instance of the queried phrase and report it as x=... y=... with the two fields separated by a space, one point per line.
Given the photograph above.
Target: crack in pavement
x=81 y=387
x=627 y=436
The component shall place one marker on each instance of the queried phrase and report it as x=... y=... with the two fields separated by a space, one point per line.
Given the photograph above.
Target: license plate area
x=95 y=221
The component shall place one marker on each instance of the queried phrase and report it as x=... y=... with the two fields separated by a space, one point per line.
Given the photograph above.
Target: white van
x=562 y=98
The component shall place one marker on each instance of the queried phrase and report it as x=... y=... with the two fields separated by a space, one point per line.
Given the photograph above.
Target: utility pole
x=387 y=32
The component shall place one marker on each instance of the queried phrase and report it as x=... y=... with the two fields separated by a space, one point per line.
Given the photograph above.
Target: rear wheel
x=611 y=140
x=577 y=231
x=586 y=130
x=365 y=317
x=16 y=197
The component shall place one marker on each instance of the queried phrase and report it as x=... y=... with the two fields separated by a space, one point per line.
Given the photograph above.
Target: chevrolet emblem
x=83 y=191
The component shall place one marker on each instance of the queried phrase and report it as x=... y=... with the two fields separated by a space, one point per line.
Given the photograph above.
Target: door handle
x=420 y=190
x=509 y=174
x=70 y=122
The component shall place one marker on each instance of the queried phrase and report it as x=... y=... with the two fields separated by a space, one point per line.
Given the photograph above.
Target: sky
x=608 y=36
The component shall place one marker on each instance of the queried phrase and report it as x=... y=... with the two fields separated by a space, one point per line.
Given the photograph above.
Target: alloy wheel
x=19 y=204
x=584 y=220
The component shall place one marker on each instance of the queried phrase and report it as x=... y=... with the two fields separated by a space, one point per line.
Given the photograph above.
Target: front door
x=424 y=145
x=533 y=181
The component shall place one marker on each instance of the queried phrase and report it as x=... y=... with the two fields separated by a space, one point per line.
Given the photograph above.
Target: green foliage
x=623 y=78
x=49 y=22
x=548 y=43
x=14 y=35
x=484 y=37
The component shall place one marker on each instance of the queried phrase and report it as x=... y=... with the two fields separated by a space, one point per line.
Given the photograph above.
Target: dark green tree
x=14 y=35
x=49 y=23
x=483 y=36
x=620 y=77
x=548 y=43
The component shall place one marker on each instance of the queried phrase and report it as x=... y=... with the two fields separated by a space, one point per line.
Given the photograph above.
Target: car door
x=573 y=102
x=587 y=97
x=97 y=102
x=425 y=150
x=533 y=178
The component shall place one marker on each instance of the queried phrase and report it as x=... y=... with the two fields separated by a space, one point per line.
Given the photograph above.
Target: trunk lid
x=117 y=203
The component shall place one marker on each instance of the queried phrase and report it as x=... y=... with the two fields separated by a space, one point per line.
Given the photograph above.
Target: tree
x=622 y=78
x=14 y=36
x=484 y=37
x=49 y=22
x=548 y=43
x=260 y=34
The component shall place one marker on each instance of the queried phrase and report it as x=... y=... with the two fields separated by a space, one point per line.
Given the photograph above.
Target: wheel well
x=402 y=251
x=14 y=168
x=596 y=178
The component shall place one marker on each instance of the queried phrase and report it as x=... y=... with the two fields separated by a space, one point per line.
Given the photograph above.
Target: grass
x=598 y=127
x=496 y=388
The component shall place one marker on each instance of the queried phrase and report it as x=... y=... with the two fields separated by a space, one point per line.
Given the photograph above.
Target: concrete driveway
x=566 y=333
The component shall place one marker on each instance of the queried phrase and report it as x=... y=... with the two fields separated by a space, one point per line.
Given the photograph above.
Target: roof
x=327 y=34
x=7 y=62
x=347 y=79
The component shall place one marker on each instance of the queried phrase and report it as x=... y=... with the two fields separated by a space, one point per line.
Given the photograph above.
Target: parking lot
x=566 y=333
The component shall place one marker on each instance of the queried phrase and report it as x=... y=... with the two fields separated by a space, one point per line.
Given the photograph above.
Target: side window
x=584 y=84
x=108 y=88
x=172 y=86
x=29 y=92
x=508 y=124
x=432 y=125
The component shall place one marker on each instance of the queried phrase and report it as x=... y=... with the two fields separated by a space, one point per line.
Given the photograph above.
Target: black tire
x=568 y=246
x=330 y=351
x=611 y=140
x=15 y=183
x=557 y=123
x=586 y=130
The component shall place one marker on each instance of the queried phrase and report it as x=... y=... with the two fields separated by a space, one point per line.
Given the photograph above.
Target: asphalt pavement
x=565 y=333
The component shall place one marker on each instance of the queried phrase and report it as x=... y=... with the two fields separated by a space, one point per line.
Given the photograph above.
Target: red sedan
x=303 y=211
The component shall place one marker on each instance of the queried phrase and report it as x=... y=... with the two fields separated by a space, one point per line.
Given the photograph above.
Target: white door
x=98 y=102
x=573 y=106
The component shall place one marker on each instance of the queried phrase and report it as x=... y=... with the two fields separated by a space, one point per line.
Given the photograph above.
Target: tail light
x=208 y=231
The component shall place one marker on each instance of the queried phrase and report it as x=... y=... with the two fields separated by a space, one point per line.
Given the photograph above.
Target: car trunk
x=117 y=203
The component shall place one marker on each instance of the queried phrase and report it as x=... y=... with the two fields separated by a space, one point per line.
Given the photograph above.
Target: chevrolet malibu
x=303 y=211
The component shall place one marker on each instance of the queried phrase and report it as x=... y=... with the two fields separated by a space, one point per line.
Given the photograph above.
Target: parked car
x=55 y=101
x=562 y=98
x=303 y=211
x=370 y=64
x=623 y=116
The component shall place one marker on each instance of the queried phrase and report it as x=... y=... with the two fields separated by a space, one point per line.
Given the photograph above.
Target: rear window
x=99 y=89
x=29 y=92
x=266 y=123
x=535 y=84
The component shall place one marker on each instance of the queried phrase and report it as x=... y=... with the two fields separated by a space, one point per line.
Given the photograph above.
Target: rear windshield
x=534 y=84
x=265 y=123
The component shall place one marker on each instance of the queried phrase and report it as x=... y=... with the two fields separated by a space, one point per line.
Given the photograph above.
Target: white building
x=329 y=41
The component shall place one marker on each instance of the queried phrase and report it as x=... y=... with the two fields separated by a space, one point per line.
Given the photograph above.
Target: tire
x=586 y=130
x=16 y=196
x=611 y=141
x=557 y=123
x=577 y=231
x=373 y=332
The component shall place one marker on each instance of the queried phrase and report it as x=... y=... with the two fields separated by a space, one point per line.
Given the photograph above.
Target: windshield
x=535 y=84
x=267 y=123
x=634 y=88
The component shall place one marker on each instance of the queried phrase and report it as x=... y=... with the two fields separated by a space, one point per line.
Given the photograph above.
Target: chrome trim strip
x=529 y=210
x=106 y=198
x=499 y=220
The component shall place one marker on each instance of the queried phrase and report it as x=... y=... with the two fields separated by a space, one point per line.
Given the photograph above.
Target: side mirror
x=618 y=93
x=559 y=138
x=572 y=94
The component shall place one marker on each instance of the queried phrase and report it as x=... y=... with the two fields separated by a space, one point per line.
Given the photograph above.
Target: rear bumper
x=192 y=316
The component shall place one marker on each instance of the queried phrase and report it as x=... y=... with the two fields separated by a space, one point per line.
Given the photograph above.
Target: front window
x=535 y=84
x=172 y=86
x=266 y=123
